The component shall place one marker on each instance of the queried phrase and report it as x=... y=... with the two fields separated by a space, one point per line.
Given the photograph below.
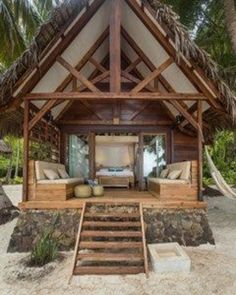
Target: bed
x=115 y=177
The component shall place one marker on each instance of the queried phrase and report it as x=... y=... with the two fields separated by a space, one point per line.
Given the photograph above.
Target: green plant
x=45 y=250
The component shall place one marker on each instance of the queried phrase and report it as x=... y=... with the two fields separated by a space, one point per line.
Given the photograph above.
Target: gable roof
x=64 y=15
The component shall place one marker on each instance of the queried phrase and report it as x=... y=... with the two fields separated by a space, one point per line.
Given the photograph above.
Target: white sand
x=213 y=267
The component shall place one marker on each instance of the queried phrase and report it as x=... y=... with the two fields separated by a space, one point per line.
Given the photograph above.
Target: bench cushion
x=61 y=181
x=168 y=181
x=41 y=165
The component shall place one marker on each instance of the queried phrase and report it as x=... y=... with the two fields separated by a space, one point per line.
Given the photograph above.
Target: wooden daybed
x=184 y=188
x=42 y=189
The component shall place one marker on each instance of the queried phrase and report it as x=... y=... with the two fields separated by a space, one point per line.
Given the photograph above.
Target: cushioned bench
x=43 y=189
x=184 y=188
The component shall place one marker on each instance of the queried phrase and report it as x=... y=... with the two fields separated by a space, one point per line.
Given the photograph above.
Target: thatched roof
x=4 y=148
x=163 y=13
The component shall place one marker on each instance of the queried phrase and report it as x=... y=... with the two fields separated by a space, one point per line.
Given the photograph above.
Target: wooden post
x=200 y=158
x=26 y=151
x=92 y=155
x=172 y=151
x=140 y=162
x=115 y=55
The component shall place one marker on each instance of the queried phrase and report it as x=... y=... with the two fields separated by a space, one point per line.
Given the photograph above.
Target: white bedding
x=106 y=172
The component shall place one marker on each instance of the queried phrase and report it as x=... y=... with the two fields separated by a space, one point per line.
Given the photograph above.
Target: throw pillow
x=175 y=174
x=164 y=173
x=63 y=174
x=51 y=174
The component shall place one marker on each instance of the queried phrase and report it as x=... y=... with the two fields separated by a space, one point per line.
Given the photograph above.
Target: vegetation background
x=211 y=23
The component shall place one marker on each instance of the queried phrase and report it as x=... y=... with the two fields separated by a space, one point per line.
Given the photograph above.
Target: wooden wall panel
x=184 y=147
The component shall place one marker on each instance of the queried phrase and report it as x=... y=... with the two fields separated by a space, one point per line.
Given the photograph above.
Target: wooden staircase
x=110 y=240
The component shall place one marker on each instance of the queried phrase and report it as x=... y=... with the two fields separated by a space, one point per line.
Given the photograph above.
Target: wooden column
x=26 y=151
x=92 y=155
x=115 y=56
x=172 y=151
x=200 y=154
x=140 y=162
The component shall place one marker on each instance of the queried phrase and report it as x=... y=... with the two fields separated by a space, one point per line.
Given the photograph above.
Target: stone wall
x=32 y=223
x=187 y=227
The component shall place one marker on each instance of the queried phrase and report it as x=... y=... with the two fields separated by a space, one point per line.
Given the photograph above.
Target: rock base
x=187 y=227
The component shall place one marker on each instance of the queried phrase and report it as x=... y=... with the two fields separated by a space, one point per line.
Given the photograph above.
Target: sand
x=213 y=267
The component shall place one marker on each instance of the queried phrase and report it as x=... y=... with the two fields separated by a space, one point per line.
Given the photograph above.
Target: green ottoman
x=98 y=190
x=82 y=191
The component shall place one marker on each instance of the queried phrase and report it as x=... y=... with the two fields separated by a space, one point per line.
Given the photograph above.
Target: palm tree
x=19 y=21
x=230 y=20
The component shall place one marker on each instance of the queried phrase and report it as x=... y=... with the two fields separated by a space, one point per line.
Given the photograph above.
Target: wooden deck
x=113 y=196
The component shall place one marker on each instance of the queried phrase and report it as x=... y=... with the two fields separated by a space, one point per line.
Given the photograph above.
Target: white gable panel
x=76 y=50
x=143 y=37
x=178 y=80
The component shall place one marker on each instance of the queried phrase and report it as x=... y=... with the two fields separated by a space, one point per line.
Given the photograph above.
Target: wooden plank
x=107 y=270
x=145 y=257
x=77 y=74
x=74 y=261
x=110 y=245
x=26 y=151
x=112 y=224
x=112 y=214
x=108 y=96
x=107 y=234
x=153 y=75
x=97 y=65
x=133 y=65
x=200 y=153
x=104 y=256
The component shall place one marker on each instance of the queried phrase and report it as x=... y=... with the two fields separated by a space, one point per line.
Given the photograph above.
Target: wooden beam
x=153 y=75
x=77 y=74
x=122 y=122
x=200 y=154
x=190 y=72
x=63 y=44
x=48 y=105
x=97 y=65
x=133 y=65
x=115 y=54
x=26 y=151
x=155 y=96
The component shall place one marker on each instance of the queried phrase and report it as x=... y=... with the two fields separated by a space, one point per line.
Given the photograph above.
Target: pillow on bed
x=63 y=174
x=175 y=174
x=164 y=173
x=51 y=174
x=119 y=169
x=111 y=169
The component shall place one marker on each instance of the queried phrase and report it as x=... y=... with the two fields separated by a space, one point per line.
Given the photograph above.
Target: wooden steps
x=110 y=240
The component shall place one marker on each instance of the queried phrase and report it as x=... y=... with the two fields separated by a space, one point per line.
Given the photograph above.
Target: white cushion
x=41 y=165
x=168 y=181
x=51 y=174
x=61 y=181
x=184 y=166
x=175 y=174
x=164 y=173
x=62 y=173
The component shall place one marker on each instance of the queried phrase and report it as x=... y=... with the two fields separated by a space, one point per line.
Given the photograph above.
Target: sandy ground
x=213 y=267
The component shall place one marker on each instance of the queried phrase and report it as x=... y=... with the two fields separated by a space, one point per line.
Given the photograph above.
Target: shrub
x=45 y=250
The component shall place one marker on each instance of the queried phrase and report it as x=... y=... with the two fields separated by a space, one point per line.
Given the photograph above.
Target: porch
x=116 y=196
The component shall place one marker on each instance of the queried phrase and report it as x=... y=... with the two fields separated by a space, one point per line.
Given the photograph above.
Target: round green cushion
x=98 y=190
x=82 y=191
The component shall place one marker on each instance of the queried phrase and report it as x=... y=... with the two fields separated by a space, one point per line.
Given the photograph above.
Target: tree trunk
x=17 y=158
x=230 y=20
x=7 y=211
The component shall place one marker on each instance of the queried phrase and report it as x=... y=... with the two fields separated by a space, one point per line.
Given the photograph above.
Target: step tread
x=112 y=223
x=96 y=270
x=101 y=233
x=107 y=215
x=101 y=245
x=101 y=256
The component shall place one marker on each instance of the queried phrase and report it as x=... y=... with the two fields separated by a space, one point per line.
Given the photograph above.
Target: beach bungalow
x=125 y=98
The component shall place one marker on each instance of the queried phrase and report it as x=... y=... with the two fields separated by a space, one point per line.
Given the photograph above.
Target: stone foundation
x=187 y=227
x=32 y=223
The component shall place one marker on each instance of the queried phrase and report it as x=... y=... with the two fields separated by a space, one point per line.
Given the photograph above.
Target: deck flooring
x=113 y=196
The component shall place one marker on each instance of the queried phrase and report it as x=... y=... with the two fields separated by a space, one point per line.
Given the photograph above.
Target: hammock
x=221 y=184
